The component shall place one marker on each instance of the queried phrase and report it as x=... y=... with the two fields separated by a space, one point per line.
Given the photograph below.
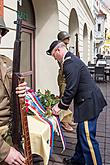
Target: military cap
x=52 y=46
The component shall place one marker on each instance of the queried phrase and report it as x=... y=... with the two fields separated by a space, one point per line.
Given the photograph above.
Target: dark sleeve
x=72 y=75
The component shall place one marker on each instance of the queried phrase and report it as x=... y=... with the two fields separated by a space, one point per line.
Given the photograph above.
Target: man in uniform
x=88 y=103
x=8 y=154
x=65 y=38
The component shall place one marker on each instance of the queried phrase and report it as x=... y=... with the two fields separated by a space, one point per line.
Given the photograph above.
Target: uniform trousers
x=87 y=148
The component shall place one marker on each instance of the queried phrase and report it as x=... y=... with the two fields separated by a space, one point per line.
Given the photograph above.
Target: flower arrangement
x=48 y=100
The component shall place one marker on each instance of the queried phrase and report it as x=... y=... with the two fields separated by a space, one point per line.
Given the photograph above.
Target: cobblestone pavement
x=103 y=135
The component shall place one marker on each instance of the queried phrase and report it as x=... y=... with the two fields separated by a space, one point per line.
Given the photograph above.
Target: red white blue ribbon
x=34 y=104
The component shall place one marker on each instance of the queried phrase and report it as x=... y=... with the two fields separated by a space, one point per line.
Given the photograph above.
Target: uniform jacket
x=88 y=98
x=61 y=81
x=5 y=91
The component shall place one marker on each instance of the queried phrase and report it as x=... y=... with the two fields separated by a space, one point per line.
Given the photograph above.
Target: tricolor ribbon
x=33 y=103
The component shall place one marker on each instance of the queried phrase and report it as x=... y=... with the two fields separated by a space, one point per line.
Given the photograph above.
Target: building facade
x=42 y=20
x=102 y=28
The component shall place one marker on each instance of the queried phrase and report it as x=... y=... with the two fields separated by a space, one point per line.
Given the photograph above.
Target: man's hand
x=21 y=89
x=56 y=110
x=14 y=157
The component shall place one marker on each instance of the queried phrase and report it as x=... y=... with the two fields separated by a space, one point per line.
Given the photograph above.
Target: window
x=99 y=27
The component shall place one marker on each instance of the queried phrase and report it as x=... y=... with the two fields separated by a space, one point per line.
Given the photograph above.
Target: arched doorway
x=85 y=44
x=26 y=12
x=91 y=46
x=73 y=28
x=46 y=16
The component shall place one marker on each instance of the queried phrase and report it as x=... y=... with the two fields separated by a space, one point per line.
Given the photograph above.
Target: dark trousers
x=87 y=147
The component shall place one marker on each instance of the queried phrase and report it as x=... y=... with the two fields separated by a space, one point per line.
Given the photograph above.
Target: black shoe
x=72 y=162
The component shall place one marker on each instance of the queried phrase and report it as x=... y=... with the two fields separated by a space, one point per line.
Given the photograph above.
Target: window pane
x=99 y=27
x=25 y=11
x=25 y=64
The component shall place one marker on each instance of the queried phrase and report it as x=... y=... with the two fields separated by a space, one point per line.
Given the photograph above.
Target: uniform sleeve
x=72 y=75
x=4 y=149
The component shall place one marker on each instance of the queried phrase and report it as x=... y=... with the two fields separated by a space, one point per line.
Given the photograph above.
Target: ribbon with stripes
x=33 y=103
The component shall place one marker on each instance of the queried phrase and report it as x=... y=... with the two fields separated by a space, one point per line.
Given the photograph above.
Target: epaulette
x=67 y=58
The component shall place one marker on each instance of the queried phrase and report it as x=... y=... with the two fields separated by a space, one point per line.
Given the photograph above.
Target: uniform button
x=82 y=99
